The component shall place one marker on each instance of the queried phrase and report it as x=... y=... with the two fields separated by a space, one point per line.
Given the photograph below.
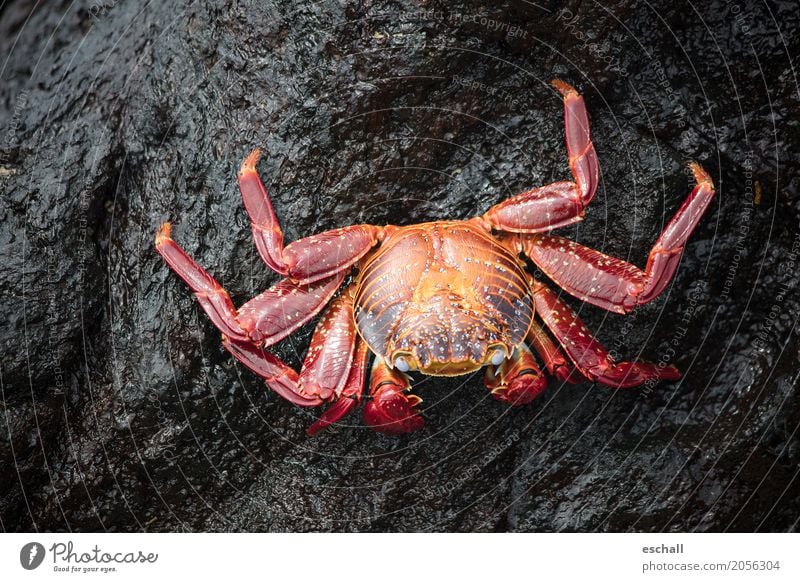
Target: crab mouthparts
x=405 y=362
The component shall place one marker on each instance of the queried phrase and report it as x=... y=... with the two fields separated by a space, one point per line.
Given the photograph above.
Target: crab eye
x=498 y=356
x=401 y=364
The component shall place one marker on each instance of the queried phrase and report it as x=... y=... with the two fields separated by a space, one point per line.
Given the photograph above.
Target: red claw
x=391 y=411
x=518 y=380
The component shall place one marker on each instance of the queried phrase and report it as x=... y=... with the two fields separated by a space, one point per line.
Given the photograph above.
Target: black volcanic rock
x=121 y=411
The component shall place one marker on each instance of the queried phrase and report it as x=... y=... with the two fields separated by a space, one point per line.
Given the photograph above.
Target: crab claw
x=391 y=411
x=518 y=380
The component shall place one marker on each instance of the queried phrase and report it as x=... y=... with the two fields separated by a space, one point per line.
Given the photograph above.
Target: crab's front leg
x=351 y=391
x=518 y=380
x=560 y=203
x=555 y=361
x=306 y=260
x=391 y=410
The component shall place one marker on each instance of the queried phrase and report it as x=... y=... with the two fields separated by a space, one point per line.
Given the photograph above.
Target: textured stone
x=120 y=410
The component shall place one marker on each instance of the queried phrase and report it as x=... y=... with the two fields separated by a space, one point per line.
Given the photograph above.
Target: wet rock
x=122 y=412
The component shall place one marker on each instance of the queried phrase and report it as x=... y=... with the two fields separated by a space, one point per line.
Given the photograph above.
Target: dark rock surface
x=120 y=410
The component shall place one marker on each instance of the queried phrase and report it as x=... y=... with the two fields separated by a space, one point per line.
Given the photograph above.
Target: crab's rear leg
x=588 y=355
x=278 y=376
x=306 y=260
x=212 y=297
x=265 y=319
x=612 y=283
x=560 y=203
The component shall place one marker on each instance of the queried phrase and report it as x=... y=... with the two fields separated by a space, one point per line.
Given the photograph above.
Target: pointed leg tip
x=164 y=234
x=671 y=373
x=316 y=428
x=700 y=175
x=249 y=164
x=414 y=400
x=564 y=88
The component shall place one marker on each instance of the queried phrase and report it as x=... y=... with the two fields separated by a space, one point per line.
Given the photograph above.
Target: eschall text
x=663 y=549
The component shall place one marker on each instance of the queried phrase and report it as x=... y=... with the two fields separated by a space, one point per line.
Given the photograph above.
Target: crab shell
x=443 y=298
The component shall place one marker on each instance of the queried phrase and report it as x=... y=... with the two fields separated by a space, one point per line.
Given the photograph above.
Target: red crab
x=442 y=298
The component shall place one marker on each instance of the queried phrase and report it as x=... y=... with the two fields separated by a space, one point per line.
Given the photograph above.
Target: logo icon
x=31 y=555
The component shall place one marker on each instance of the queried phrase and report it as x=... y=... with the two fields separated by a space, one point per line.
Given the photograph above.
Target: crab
x=441 y=298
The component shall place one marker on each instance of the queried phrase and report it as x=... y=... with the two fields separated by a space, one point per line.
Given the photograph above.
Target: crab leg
x=278 y=376
x=330 y=354
x=560 y=203
x=612 y=283
x=390 y=410
x=334 y=365
x=267 y=318
x=306 y=260
x=333 y=369
x=518 y=380
x=588 y=355
x=554 y=360
x=351 y=392
x=285 y=307
x=214 y=300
